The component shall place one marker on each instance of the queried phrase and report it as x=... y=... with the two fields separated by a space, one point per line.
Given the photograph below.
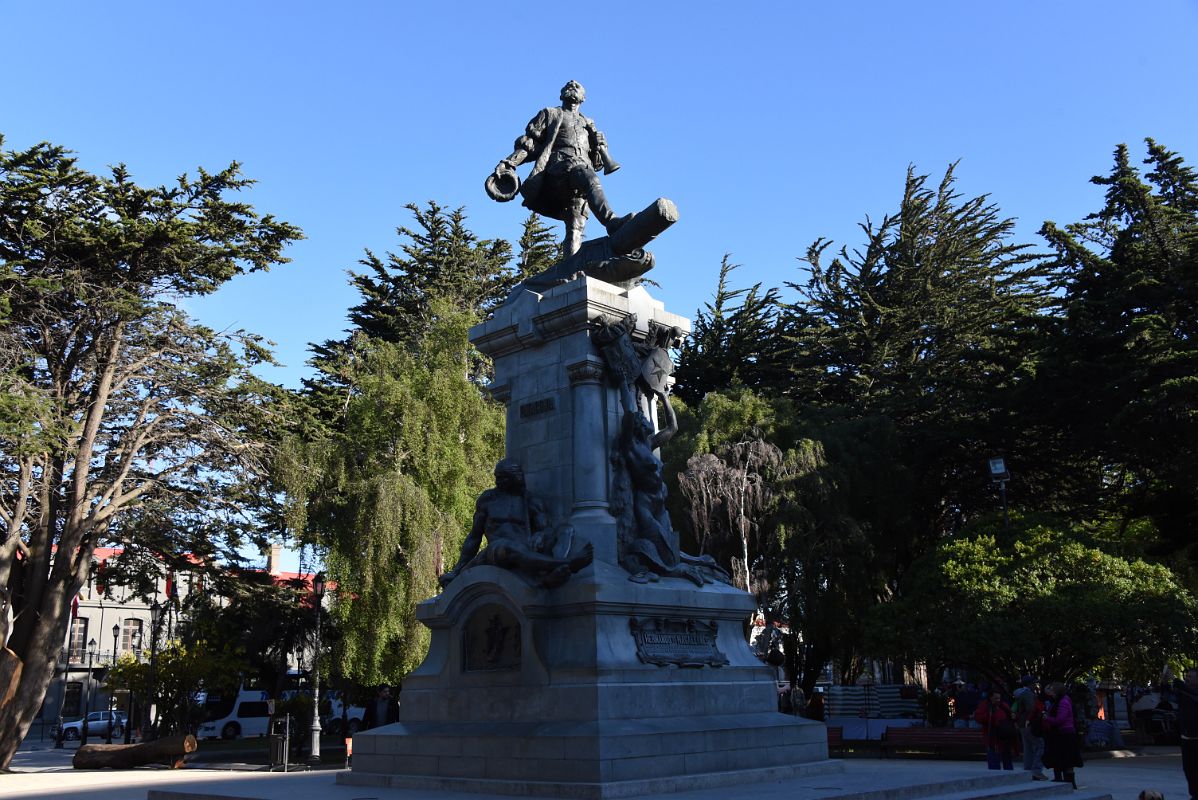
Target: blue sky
x=769 y=124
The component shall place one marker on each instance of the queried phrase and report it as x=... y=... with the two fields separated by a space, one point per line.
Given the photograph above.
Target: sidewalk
x=1123 y=778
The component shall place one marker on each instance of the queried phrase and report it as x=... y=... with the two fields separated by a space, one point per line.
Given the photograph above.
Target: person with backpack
x=1029 y=720
x=998 y=730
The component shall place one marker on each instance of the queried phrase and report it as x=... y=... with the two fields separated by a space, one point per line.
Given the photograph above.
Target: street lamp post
x=116 y=631
x=91 y=653
x=999 y=475
x=131 y=707
x=317 y=597
x=62 y=699
x=155 y=614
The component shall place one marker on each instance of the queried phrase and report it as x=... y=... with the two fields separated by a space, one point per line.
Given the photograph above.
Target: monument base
x=599 y=688
x=593 y=790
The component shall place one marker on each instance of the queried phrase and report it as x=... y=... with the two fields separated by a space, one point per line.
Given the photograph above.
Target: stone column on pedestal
x=590 y=514
x=502 y=393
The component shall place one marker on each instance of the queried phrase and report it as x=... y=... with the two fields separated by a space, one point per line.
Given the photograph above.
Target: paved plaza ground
x=48 y=774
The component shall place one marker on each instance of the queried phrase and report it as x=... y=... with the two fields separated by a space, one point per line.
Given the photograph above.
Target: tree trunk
x=170 y=750
x=36 y=670
x=11 y=668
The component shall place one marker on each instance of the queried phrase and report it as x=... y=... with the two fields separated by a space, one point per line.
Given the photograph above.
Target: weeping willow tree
x=388 y=495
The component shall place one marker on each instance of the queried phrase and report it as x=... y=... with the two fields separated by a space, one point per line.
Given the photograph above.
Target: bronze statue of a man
x=568 y=151
x=517 y=533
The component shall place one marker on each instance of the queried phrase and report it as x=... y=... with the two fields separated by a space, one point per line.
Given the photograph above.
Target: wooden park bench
x=840 y=747
x=942 y=742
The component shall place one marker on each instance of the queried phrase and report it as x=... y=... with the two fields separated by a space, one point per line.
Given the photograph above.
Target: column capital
x=589 y=370
x=500 y=392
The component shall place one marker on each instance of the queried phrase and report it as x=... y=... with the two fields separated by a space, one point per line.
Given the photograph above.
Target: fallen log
x=170 y=750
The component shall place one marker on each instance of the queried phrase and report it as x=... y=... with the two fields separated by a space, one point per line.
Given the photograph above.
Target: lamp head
x=998 y=469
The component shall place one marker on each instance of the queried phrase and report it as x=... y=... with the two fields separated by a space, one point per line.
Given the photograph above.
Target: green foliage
x=439 y=260
x=124 y=422
x=256 y=624
x=180 y=670
x=391 y=492
x=808 y=498
x=937 y=343
x=539 y=249
x=169 y=683
x=1121 y=360
x=128 y=674
x=1038 y=600
x=884 y=386
x=930 y=323
x=737 y=340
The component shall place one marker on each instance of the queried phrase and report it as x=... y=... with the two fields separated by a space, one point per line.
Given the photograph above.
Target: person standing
x=1187 y=713
x=968 y=698
x=1062 y=751
x=382 y=710
x=1029 y=714
x=998 y=730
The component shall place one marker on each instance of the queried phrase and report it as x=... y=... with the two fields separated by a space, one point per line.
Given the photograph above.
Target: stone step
x=899 y=780
x=881 y=786
x=1020 y=791
x=878 y=781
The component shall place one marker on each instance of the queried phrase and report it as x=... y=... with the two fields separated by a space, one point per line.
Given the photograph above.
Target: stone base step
x=592 y=790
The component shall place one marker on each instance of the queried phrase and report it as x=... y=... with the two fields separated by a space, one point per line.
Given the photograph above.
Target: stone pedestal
x=562 y=413
x=601 y=687
x=554 y=693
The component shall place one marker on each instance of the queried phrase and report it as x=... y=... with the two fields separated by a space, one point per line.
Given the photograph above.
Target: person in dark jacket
x=1029 y=712
x=998 y=730
x=382 y=710
x=1062 y=751
x=1187 y=717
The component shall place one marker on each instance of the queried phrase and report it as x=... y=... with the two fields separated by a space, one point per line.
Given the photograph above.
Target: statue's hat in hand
x=502 y=185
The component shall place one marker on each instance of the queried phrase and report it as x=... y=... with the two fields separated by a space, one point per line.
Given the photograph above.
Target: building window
x=130 y=635
x=78 y=644
x=71 y=700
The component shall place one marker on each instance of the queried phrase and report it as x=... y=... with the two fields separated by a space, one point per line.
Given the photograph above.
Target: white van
x=353 y=715
x=245 y=713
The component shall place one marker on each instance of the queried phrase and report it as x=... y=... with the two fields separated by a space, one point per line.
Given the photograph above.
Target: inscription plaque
x=491 y=640
x=537 y=407
x=682 y=642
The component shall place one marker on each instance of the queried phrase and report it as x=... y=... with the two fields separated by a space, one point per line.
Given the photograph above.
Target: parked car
x=97 y=726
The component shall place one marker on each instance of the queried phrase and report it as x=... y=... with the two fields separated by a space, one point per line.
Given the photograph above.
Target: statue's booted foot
x=615 y=223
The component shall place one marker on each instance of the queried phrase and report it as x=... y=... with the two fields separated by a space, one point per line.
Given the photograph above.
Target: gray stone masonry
x=562 y=415
x=600 y=687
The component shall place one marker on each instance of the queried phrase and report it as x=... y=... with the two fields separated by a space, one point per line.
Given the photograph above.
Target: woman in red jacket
x=998 y=730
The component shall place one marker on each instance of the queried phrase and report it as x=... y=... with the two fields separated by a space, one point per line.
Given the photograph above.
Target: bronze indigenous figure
x=567 y=150
x=648 y=544
x=518 y=535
